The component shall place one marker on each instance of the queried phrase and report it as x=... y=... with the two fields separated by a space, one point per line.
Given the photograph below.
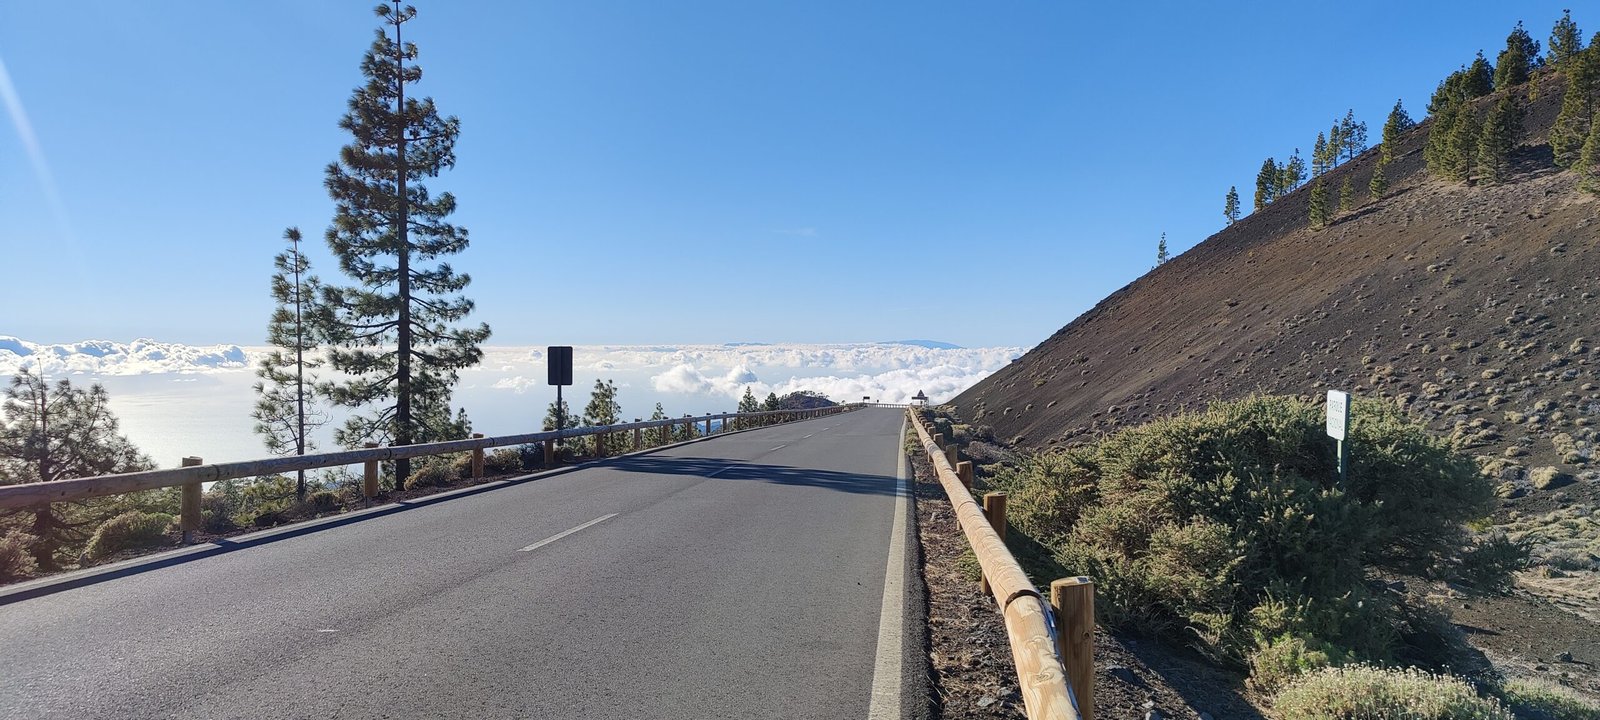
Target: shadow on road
x=735 y=470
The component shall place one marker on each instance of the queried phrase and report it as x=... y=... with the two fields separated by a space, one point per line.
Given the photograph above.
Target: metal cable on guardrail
x=1045 y=655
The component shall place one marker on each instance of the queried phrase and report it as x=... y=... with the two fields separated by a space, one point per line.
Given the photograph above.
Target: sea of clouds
x=175 y=399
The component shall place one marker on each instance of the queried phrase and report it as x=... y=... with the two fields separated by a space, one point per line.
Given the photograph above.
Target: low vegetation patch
x=1230 y=528
x=1370 y=693
x=15 y=560
x=132 y=530
x=1539 y=699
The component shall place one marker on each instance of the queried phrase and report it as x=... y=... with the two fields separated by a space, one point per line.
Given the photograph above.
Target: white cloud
x=104 y=357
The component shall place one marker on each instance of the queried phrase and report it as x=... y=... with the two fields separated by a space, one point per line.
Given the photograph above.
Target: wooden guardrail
x=1051 y=643
x=193 y=473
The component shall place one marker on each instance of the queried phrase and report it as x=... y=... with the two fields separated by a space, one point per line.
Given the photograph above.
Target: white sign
x=1338 y=413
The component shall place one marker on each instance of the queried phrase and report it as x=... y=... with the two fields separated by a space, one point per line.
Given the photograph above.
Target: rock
x=986 y=701
x=1548 y=478
x=1154 y=714
x=1564 y=656
x=1122 y=673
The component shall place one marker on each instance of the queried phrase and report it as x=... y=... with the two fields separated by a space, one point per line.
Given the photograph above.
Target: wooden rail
x=1036 y=648
x=192 y=475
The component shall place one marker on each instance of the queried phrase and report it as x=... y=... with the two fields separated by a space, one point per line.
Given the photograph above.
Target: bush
x=129 y=531
x=1281 y=660
x=503 y=461
x=1231 y=524
x=16 y=558
x=432 y=472
x=1369 y=693
x=323 y=501
x=1534 y=698
x=1487 y=565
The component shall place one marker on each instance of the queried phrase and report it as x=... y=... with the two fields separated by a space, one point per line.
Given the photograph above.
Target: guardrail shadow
x=735 y=470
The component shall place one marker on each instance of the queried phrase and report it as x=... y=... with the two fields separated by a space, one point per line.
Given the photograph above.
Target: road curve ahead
x=738 y=577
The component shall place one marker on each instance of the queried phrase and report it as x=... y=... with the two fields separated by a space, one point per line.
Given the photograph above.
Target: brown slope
x=1463 y=302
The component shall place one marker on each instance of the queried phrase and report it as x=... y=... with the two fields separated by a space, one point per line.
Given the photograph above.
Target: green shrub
x=1278 y=661
x=1487 y=565
x=1361 y=692
x=433 y=472
x=129 y=531
x=16 y=558
x=503 y=461
x=1230 y=525
x=1536 y=698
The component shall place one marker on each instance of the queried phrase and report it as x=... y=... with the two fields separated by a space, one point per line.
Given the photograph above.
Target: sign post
x=1338 y=423
x=558 y=359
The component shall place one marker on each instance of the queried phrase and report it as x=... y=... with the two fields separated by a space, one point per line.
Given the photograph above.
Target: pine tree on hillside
x=1588 y=165
x=1347 y=195
x=1436 y=152
x=748 y=404
x=1448 y=92
x=1578 y=104
x=1335 y=144
x=392 y=331
x=1565 y=41
x=1515 y=64
x=286 y=411
x=1378 y=186
x=1499 y=137
x=1399 y=122
x=1230 y=205
x=1266 y=183
x=771 y=402
x=1319 y=156
x=1479 y=80
x=1352 y=135
x=1461 y=149
x=661 y=435
x=1292 y=174
x=1161 y=250
x=1319 y=204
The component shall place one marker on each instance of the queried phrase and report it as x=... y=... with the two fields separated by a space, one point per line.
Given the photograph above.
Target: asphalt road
x=738 y=577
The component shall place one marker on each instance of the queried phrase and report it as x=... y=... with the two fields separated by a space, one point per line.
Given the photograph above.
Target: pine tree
x=1565 y=41
x=1437 y=151
x=1461 y=153
x=1319 y=156
x=1352 y=135
x=771 y=402
x=286 y=411
x=1319 y=204
x=1292 y=174
x=1479 y=80
x=1230 y=205
x=58 y=433
x=1161 y=250
x=1347 y=195
x=1399 y=122
x=1588 y=164
x=1499 y=137
x=1378 y=186
x=1266 y=183
x=1449 y=92
x=660 y=435
x=1335 y=144
x=558 y=416
x=1515 y=64
x=748 y=404
x=392 y=331
x=603 y=408
x=1578 y=104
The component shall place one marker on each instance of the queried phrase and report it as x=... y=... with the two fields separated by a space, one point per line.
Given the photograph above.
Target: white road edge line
x=886 y=670
x=565 y=533
x=780 y=447
x=808 y=437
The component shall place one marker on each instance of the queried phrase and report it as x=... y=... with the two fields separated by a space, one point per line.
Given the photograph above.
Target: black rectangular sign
x=559 y=359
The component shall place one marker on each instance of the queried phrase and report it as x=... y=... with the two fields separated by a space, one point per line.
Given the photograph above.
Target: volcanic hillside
x=1472 y=306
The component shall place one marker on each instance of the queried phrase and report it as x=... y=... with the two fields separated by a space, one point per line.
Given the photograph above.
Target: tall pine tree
x=1461 y=147
x=1378 y=186
x=1565 y=41
x=1230 y=205
x=1498 y=138
x=1578 y=104
x=1588 y=164
x=1515 y=64
x=286 y=410
x=392 y=329
x=1319 y=156
x=1161 y=250
x=1479 y=78
x=1397 y=123
x=1292 y=174
x=1352 y=135
x=1347 y=195
x=1266 y=183
x=1319 y=204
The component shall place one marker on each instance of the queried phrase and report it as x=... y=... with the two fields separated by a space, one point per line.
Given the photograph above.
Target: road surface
x=738 y=577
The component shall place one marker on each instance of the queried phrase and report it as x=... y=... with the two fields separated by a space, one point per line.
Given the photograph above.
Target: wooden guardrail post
x=600 y=445
x=953 y=454
x=1073 y=602
x=938 y=440
x=994 y=508
x=189 y=514
x=477 y=459
x=638 y=436
x=708 y=424
x=369 y=475
x=964 y=471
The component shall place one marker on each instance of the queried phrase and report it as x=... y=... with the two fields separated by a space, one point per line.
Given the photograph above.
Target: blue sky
x=701 y=171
